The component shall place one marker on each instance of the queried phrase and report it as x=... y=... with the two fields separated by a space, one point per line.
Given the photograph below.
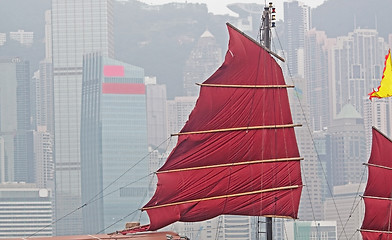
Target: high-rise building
x=376 y=114
x=25 y=211
x=15 y=128
x=348 y=146
x=44 y=96
x=113 y=143
x=156 y=114
x=3 y=38
x=346 y=208
x=321 y=230
x=43 y=155
x=316 y=75
x=78 y=27
x=249 y=15
x=297 y=20
x=178 y=111
x=24 y=38
x=357 y=63
x=204 y=59
x=312 y=176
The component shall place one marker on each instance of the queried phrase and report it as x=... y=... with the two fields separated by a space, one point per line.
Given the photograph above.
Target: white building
x=25 y=211
x=310 y=230
x=24 y=38
x=3 y=38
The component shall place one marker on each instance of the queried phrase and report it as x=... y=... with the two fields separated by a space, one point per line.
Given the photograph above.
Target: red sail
x=377 y=223
x=237 y=154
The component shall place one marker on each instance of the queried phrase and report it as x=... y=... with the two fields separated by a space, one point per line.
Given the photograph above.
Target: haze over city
x=99 y=97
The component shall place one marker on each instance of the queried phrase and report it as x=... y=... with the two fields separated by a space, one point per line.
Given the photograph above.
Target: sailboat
x=377 y=223
x=237 y=154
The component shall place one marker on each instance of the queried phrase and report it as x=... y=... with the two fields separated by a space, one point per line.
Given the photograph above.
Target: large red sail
x=237 y=154
x=377 y=223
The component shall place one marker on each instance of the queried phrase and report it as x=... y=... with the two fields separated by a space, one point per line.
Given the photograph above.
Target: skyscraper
x=156 y=114
x=316 y=75
x=348 y=146
x=78 y=27
x=15 y=129
x=356 y=61
x=113 y=143
x=346 y=208
x=204 y=59
x=297 y=20
x=310 y=205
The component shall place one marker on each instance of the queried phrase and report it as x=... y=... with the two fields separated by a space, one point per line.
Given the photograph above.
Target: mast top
x=267 y=22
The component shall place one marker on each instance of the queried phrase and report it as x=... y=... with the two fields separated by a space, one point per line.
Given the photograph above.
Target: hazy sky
x=219 y=6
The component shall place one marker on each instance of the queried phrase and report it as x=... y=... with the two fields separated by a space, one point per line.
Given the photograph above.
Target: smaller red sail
x=377 y=223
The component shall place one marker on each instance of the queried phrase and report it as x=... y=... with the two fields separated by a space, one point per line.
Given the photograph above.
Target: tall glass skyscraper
x=113 y=143
x=16 y=139
x=78 y=27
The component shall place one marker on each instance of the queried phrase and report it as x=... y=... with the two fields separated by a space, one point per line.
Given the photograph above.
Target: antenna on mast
x=267 y=22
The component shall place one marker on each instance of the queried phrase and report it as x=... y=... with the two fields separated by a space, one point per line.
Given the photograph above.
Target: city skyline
x=84 y=137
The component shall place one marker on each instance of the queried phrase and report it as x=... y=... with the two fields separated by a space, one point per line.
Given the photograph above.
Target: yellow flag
x=385 y=88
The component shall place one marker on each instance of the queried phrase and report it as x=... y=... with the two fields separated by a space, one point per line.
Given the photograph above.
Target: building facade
x=312 y=230
x=24 y=38
x=15 y=127
x=297 y=20
x=348 y=146
x=78 y=27
x=202 y=62
x=113 y=143
x=156 y=114
x=316 y=75
x=347 y=209
x=356 y=66
x=25 y=211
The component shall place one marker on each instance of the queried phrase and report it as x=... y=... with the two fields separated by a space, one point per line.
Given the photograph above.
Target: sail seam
x=244 y=86
x=223 y=196
x=375 y=165
x=238 y=129
x=233 y=164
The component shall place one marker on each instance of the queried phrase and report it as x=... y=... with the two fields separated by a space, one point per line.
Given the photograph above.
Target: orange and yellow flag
x=385 y=88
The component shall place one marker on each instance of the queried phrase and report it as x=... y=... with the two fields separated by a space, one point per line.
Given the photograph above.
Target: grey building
x=113 y=143
x=25 y=211
x=356 y=64
x=202 y=62
x=78 y=27
x=156 y=114
x=297 y=20
x=348 y=146
x=316 y=75
x=16 y=136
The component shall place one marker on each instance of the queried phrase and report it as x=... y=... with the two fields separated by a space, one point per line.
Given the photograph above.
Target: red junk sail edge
x=237 y=154
x=377 y=223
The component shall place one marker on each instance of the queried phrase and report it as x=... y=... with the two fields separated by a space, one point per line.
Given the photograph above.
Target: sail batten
x=380 y=198
x=225 y=196
x=234 y=164
x=244 y=86
x=237 y=154
x=239 y=129
x=378 y=166
x=375 y=231
x=377 y=223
